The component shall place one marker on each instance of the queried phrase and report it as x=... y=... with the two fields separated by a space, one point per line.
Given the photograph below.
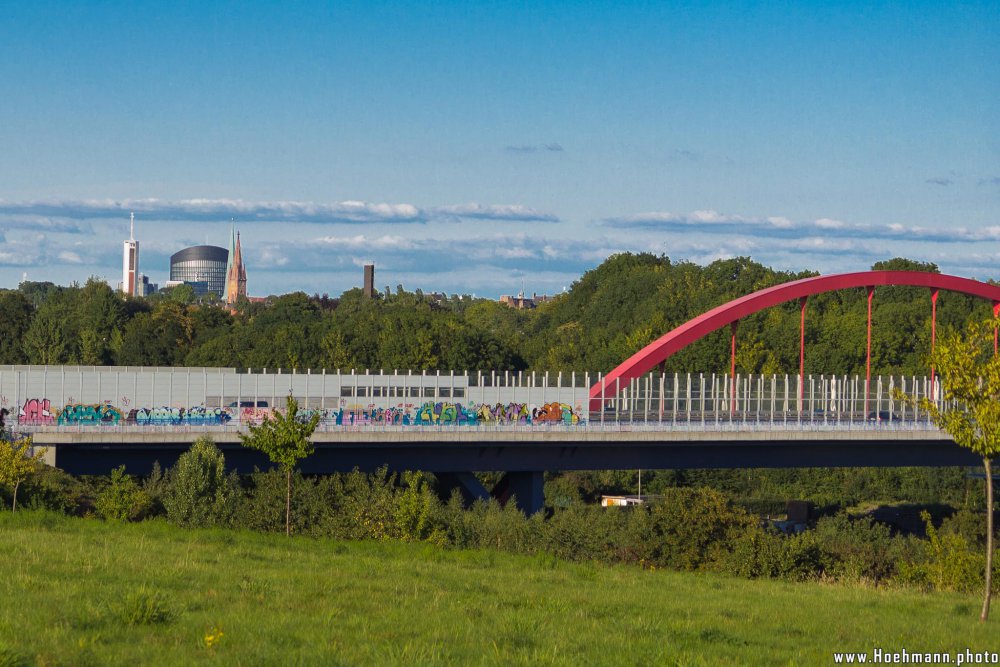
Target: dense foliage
x=608 y=314
x=686 y=525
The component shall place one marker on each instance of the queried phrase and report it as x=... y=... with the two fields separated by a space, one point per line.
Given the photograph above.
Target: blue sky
x=467 y=147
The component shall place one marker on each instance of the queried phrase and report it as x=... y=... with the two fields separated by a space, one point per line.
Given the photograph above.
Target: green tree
x=44 y=340
x=122 y=499
x=335 y=351
x=285 y=440
x=198 y=491
x=17 y=461
x=15 y=318
x=970 y=380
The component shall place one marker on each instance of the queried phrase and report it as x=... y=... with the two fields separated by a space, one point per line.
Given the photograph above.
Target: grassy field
x=81 y=592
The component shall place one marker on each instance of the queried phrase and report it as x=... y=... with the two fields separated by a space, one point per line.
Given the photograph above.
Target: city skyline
x=468 y=149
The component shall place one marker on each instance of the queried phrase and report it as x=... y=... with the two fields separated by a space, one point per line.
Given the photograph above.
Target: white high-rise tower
x=130 y=260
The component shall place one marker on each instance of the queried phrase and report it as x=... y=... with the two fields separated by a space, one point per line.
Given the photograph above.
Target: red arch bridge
x=96 y=418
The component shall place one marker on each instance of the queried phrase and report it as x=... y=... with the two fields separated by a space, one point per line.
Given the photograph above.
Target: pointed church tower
x=236 y=278
x=229 y=260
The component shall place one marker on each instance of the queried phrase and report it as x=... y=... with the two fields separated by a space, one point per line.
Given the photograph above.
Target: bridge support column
x=527 y=488
x=467 y=484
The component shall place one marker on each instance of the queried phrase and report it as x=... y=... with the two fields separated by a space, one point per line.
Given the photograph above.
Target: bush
x=948 y=562
x=503 y=527
x=858 y=549
x=53 y=489
x=757 y=553
x=416 y=508
x=199 y=493
x=584 y=532
x=690 y=529
x=122 y=499
x=263 y=505
x=156 y=487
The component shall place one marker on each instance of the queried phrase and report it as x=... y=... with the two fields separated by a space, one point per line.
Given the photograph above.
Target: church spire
x=229 y=260
x=236 y=276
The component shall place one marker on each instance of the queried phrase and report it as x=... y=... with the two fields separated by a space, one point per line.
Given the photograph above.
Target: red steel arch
x=672 y=342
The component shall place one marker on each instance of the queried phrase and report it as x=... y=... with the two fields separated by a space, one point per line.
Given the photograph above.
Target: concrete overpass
x=525 y=453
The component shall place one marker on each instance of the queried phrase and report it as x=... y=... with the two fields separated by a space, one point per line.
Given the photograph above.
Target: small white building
x=622 y=501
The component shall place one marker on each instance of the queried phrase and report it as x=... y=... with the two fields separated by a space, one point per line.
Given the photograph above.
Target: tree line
x=608 y=314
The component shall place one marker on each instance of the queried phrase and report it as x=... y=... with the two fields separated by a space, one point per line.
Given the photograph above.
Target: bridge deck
x=444 y=449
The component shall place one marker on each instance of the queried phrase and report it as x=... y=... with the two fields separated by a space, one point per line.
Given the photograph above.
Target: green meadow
x=87 y=592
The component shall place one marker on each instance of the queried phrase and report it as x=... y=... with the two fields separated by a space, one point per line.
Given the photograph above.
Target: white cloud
x=827 y=223
x=513 y=212
x=283 y=256
x=41 y=223
x=712 y=222
x=60 y=215
x=361 y=241
x=69 y=257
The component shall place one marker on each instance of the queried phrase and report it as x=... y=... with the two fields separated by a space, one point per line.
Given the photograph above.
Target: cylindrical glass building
x=204 y=266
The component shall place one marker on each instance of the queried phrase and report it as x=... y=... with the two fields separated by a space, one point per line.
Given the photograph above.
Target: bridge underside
x=524 y=462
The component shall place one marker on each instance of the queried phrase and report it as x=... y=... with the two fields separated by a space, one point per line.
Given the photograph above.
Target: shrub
x=689 y=529
x=122 y=499
x=365 y=505
x=758 y=552
x=416 y=508
x=504 y=528
x=263 y=505
x=53 y=489
x=582 y=532
x=948 y=562
x=199 y=493
x=858 y=549
x=156 y=487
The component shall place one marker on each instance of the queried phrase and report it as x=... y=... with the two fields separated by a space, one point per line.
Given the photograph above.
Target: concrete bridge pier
x=467 y=484
x=526 y=488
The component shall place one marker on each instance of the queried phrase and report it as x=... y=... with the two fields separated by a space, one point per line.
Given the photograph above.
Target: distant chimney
x=369 y=281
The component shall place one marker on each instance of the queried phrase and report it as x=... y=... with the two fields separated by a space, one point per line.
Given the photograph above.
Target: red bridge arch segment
x=672 y=342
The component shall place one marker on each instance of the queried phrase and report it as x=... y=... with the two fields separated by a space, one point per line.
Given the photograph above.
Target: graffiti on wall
x=83 y=415
x=554 y=413
x=39 y=411
x=254 y=415
x=500 y=413
x=164 y=416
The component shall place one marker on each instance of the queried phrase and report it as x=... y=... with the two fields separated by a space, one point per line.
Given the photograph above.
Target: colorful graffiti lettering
x=512 y=413
x=444 y=413
x=254 y=415
x=196 y=416
x=358 y=416
x=37 y=411
x=82 y=415
x=554 y=413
